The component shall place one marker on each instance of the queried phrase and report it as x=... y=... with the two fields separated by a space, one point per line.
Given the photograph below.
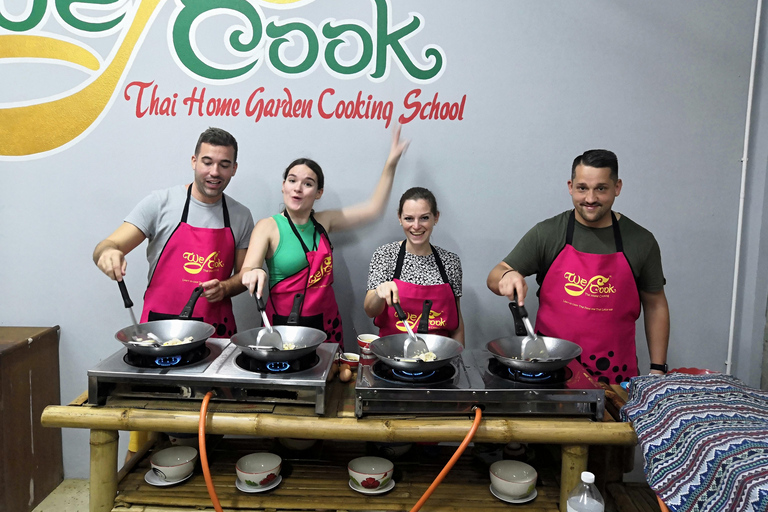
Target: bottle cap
x=587 y=477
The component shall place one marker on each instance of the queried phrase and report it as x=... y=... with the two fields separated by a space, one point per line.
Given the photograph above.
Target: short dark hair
x=416 y=193
x=597 y=158
x=314 y=166
x=216 y=137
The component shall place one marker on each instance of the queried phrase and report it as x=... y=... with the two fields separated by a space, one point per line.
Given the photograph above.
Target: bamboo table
x=574 y=435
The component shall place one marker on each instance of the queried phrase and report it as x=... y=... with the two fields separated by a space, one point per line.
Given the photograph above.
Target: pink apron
x=430 y=309
x=191 y=257
x=592 y=300
x=309 y=293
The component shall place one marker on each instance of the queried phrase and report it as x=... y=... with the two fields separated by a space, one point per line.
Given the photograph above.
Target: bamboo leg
x=574 y=462
x=103 y=485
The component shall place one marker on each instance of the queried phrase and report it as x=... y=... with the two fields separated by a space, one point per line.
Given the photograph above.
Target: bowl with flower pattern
x=258 y=470
x=370 y=473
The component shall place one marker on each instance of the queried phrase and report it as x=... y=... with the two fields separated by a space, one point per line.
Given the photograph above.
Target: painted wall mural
x=255 y=42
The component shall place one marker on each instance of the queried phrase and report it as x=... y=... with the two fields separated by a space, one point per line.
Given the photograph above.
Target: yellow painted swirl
x=44 y=126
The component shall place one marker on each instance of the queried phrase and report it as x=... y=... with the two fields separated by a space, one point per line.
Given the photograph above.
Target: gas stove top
x=477 y=378
x=222 y=369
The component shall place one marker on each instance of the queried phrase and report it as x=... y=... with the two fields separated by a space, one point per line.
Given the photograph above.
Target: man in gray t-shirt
x=158 y=218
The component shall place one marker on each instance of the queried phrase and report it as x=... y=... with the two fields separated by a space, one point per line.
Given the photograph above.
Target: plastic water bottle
x=585 y=497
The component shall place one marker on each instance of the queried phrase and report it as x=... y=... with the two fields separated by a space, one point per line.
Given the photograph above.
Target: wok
x=166 y=330
x=304 y=339
x=509 y=351
x=389 y=350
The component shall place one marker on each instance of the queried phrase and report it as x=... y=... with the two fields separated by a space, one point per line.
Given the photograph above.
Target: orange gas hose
x=204 y=454
x=456 y=455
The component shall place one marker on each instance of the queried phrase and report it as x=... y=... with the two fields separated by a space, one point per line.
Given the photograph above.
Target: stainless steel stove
x=477 y=378
x=221 y=368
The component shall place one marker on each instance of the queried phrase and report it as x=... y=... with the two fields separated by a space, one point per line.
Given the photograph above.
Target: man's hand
x=112 y=262
x=513 y=283
x=214 y=290
x=504 y=280
x=109 y=254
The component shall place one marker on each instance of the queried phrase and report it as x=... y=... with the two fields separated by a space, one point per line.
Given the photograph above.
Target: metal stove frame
x=219 y=373
x=473 y=384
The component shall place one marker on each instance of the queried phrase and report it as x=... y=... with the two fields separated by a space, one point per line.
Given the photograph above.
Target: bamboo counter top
x=270 y=420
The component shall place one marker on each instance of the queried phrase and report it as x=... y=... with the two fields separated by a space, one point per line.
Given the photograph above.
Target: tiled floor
x=69 y=496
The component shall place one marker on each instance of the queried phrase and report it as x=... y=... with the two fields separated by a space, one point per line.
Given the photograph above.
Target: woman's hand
x=379 y=298
x=397 y=148
x=388 y=291
x=254 y=280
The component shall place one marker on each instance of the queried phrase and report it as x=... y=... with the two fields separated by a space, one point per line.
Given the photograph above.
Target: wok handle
x=518 y=313
x=399 y=310
x=424 y=322
x=293 y=318
x=124 y=292
x=186 y=313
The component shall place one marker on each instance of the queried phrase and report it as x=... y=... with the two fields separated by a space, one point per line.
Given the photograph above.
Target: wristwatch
x=659 y=367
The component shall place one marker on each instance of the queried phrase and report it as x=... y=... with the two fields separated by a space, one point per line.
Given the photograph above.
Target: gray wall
x=663 y=84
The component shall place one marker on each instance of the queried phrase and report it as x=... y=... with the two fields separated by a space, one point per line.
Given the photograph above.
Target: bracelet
x=660 y=367
x=507 y=272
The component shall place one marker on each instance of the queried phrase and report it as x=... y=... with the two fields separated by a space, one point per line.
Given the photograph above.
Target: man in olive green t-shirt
x=595 y=268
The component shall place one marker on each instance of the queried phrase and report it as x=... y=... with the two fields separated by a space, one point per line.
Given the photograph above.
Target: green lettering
x=182 y=45
x=333 y=32
x=33 y=19
x=386 y=39
x=277 y=32
x=64 y=8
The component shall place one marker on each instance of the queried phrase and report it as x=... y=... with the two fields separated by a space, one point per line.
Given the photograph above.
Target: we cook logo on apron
x=325 y=269
x=197 y=263
x=436 y=321
x=598 y=286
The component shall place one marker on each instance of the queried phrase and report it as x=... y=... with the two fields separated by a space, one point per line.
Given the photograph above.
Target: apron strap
x=185 y=212
x=614 y=224
x=401 y=259
x=319 y=230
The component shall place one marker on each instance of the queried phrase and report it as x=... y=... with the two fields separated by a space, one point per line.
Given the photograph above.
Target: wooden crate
x=29 y=381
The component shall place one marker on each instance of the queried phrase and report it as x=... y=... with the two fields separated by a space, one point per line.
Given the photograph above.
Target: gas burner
x=177 y=361
x=389 y=374
x=555 y=377
x=277 y=367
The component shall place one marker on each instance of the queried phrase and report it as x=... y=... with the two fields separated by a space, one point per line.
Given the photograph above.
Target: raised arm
x=363 y=213
x=264 y=238
x=656 y=319
x=109 y=254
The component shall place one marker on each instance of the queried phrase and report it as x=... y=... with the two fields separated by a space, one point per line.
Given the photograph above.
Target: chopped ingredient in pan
x=177 y=341
x=289 y=346
x=425 y=357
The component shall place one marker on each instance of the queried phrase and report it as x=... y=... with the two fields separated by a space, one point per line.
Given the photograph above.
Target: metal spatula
x=531 y=347
x=268 y=338
x=413 y=346
x=137 y=339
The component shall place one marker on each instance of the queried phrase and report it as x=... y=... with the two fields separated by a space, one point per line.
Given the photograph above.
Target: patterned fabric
x=704 y=439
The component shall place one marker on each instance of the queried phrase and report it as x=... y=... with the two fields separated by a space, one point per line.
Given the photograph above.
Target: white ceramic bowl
x=174 y=463
x=370 y=472
x=258 y=469
x=293 y=443
x=513 y=478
